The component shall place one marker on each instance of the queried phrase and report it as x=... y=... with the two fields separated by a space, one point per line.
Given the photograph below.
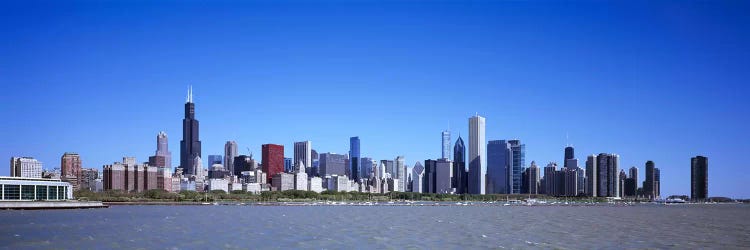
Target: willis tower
x=190 y=146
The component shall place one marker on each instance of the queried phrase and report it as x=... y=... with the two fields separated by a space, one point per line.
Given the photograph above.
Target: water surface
x=366 y=227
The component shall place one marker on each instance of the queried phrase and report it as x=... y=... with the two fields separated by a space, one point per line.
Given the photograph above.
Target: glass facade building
x=498 y=167
x=446 y=143
x=354 y=157
x=215 y=159
x=288 y=165
x=31 y=189
x=517 y=164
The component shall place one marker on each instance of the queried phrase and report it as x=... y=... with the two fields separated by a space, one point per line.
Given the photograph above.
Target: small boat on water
x=675 y=201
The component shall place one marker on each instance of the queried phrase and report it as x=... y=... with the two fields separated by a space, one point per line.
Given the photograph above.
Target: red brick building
x=273 y=160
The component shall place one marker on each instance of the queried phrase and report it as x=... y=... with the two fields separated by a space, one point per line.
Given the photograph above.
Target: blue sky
x=661 y=81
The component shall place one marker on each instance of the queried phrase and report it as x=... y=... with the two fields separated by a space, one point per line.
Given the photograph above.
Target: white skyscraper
x=230 y=151
x=446 y=144
x=417 y=175
x=400 y=173
x=477 y=155
x=303 y=153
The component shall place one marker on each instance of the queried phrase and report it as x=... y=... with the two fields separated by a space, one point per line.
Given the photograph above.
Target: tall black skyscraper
x=190 y=146
x=649 y=184
x=699 y=178
x=459 y=166
x=569 y=155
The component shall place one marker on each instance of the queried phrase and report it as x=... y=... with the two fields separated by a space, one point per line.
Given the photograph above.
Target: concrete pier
x=31 y=205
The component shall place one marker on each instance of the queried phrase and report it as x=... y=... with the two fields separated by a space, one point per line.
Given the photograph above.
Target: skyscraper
x=477 y=155
x=354 y=158
x=70 y=166
x=533 y=175
x=243 y=163
x=657 y=182
x=551 y=185
x=215 y=159
x=303 y=153
x=367 y=167
x=315 y=168
x=446 y=144
x=273 y=160
x=400 y=168
x=288 y=165
x=633 y=173
x=417 y=176
x=699 y=178
x=443 y=176
x=517 y=164
x=230 y=151
x=592 y=176
x=162 y=157
x=498 y=167
x=631 y=183
x=621 y=183
x=388 y=168
x=459 y=166
x=190 y=146
x=649 y=184
x=429 y=181
x=608 y=170
x=569 y=155
x=332 y=164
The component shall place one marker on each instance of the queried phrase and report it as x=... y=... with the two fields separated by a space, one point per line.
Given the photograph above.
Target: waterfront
x=720 y=226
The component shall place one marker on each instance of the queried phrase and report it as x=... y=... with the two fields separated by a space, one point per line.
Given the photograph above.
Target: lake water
x=378 y=227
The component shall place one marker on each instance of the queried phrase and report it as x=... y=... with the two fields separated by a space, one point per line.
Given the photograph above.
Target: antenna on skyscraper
x=191 y=93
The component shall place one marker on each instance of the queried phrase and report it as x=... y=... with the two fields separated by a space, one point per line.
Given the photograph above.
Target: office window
x=12 y=192
x=27 y=192
x=41 y=192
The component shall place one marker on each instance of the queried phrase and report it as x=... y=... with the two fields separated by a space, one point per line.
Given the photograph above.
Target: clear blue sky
x=661 y=81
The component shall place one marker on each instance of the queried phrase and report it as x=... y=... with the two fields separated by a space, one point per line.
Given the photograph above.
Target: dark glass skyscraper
x=429 y=185
x=190 y=146
x=569 y=155
x=649 y=184
x=214 y=159
x=517 y=164
x=498 y=167
x=459 y=166
x=699 y=178
x=354 y=158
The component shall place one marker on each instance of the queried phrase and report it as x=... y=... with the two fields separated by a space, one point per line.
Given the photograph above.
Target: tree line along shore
x=297 y=195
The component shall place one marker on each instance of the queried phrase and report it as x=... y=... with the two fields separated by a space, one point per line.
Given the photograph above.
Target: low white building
x=235 y=186
x=254 y=188
x=186 y=185
x=31 y=189
x=315 y=184
x=300 y=181
x=282 y=182
x=393 y=185
x=218 y=184
x=340 y=183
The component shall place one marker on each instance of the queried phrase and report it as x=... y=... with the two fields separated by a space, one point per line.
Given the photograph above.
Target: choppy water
x=345 y=227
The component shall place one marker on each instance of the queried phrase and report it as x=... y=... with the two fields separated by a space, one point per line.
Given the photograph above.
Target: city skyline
x=662 y=127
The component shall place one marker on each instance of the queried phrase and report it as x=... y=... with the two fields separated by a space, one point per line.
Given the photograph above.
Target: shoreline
x=399 y=203
x=51 y=205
